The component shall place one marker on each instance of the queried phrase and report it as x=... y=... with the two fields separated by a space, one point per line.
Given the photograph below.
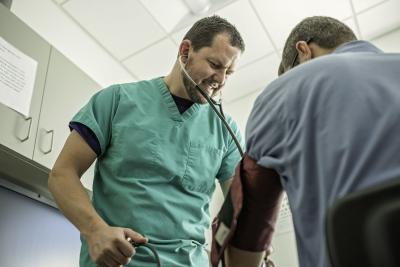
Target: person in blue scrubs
x=322 y=130
x=159 y=148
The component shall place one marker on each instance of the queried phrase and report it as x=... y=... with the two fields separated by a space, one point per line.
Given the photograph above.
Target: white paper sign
x=17 y=78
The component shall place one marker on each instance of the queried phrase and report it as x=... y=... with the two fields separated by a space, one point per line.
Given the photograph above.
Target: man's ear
x=184 y=49
x=304 y=50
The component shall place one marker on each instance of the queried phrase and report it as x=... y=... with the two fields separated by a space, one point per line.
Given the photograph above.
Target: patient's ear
x=304 y=50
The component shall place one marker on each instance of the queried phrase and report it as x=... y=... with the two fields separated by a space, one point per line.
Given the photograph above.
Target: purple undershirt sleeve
x=88 y=135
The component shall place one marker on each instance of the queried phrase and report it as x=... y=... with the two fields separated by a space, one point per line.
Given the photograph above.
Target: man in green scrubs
x=159 y=148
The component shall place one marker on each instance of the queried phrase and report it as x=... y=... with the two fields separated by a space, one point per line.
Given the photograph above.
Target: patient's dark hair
x=326 y=32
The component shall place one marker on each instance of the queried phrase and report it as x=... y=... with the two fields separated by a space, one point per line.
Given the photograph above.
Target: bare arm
x=242 y=258
x=107 y=245
x=64 y=183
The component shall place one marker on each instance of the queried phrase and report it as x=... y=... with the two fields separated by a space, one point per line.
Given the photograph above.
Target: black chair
x=363 y=228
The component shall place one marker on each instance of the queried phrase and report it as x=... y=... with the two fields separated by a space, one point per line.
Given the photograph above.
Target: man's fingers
x=107 y=261
x=126 y=249
x=116 y=258
x=135 y=237
x=111 y=248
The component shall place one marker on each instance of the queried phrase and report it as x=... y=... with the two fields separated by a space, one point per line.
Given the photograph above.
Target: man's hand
x=109 y=247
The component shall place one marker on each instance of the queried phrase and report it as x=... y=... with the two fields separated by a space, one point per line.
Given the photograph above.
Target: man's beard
x=193 y=92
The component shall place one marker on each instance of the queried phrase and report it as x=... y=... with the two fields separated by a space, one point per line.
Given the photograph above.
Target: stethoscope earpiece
x=183 y=58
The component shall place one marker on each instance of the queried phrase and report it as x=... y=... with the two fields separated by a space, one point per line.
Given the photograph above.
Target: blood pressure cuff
x=248 y=216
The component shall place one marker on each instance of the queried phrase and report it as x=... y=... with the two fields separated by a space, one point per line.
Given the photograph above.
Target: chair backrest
x=363 y=228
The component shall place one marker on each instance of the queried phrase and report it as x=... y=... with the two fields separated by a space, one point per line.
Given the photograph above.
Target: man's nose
x=220 y=77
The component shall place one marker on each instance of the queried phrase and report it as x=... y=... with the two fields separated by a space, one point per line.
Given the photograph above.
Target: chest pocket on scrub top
x=202 y=166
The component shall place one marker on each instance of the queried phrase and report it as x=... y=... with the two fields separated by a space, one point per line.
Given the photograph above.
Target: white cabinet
x=61 y=89
x=67 y=89
x=18 y=132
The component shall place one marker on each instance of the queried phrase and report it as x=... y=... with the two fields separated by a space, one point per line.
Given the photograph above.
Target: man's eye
x=213 y=65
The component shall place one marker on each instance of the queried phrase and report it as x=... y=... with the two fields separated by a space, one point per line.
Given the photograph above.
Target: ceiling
x=127 y=40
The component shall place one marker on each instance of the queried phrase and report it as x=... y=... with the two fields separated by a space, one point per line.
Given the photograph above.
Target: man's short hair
x=202 y=33
x=326 y=32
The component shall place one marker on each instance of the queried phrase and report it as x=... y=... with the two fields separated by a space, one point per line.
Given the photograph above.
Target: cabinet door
x=67 y=89
x=17 y=131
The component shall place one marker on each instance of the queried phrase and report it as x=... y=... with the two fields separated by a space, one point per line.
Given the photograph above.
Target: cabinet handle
x=51 y=142
x=29 y=130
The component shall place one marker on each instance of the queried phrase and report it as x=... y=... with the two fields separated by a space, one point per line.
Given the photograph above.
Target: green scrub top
x=157 y=168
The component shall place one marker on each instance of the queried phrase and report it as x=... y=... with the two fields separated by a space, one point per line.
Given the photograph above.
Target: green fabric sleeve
x=98 y=114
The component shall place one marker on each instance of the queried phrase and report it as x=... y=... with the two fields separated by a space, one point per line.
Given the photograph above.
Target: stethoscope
x=220 y=113
x=150 y=247
x=213 y=103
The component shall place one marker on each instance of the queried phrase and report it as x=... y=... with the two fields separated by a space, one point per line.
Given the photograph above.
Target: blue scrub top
x=328 y=127
x=157 y=168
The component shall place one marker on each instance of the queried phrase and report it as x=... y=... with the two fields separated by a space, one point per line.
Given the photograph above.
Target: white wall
x=285 y=252
x=241 y=108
